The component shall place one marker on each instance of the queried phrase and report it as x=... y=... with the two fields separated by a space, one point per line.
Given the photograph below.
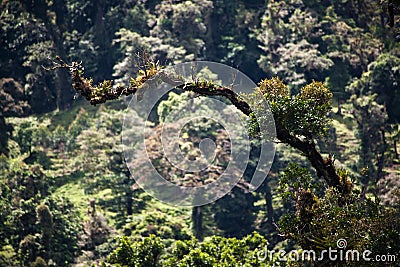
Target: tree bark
x=5 y=131
x=325 y=167
x=129 y=201
x=381 y=160
x=102 y=39
x=197 y=219
x=63 y=90
x=268 y=203
x=339 y=111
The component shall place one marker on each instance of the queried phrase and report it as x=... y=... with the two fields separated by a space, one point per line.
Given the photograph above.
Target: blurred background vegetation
x=66 y=196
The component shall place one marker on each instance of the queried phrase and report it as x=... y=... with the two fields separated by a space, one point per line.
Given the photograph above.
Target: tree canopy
x=326 y=72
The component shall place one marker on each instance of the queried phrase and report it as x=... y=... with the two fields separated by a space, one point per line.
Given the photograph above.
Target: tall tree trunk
x=339 y=110
x=197 y=218
x=268 y=202
x=128 y=194
x=381 y=160
x=390 y=10
x=5 y=130
x=102 y=39
x=209 y=35
x=129 y=201
x=64 y=92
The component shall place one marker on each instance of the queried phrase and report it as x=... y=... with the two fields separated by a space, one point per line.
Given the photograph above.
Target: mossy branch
x=104 y=91
x=271 y=89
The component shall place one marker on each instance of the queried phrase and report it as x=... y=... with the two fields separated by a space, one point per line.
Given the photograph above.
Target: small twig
x=280 y=232
x=58 y=65
x=234 y=76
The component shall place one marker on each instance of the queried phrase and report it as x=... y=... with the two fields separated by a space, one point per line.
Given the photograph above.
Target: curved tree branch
x=104 y=91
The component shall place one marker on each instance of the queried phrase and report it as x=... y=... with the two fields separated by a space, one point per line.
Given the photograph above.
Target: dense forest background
x=66 y=195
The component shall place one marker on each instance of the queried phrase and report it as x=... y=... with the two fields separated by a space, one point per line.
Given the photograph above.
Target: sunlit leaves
x=145 y=252
x=214 y=251
x=317 y=92
x=304 y=114
x=273 y=88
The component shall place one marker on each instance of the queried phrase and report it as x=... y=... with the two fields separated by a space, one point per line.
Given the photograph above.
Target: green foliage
x=219 y=251
x=76 y=151
x=8 y=256
x=214 y=251
x=35 y=224
x=235 y=213
x=12 y=99
x=183 y=24
x=287 y=36
x=382 y=79
x=319 y=93
x=39 y=262
x=273 y=89
x=45 y=219
x=304 y=114
x=66 y=230
x=143 y=253
x=371 y=120
x=303 y=40
x=160 y=224
x=295 y=179
x=318 y=222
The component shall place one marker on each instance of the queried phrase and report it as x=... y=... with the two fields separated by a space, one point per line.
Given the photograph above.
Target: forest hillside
x=70 y=186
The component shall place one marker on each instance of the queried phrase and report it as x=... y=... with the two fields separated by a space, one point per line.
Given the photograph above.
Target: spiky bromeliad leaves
x=298 y=118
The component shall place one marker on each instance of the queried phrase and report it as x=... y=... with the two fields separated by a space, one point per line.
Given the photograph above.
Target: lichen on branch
x=105 y=90
x=150 y=71
x=299 y=119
